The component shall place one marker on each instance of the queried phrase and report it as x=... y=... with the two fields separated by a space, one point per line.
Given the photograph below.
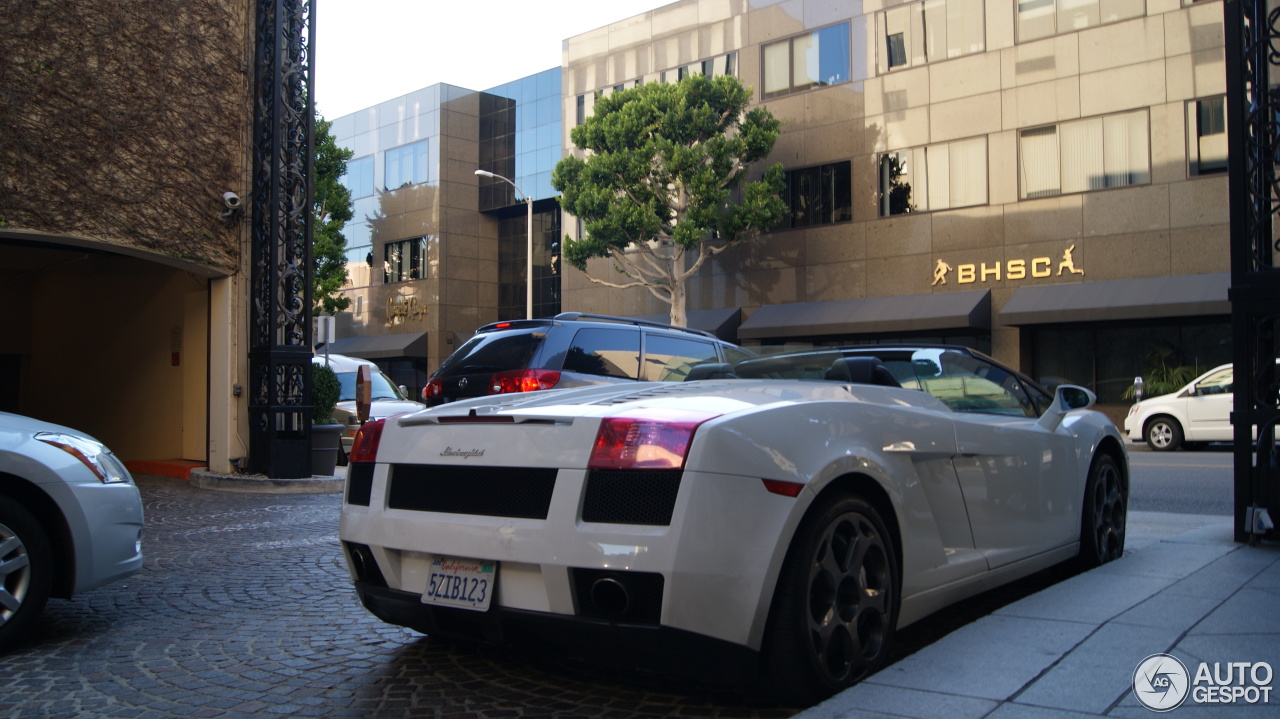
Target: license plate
x=462 y=583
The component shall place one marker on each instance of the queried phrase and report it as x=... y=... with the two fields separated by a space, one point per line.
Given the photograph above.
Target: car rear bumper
x=633 y=646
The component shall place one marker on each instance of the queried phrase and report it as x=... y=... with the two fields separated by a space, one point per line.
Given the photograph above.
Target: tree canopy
x=332 y=210
x=661 y=186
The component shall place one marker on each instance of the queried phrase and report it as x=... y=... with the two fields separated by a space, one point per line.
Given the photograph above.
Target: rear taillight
x=434 y=388
x=523 y=380
x=364 y=448
x=646 y=438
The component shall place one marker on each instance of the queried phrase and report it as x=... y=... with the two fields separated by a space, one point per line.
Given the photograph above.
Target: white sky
x=369 y=51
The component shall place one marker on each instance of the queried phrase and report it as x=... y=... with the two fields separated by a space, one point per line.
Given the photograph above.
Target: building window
x=818 y=196
x=407 y=165
x=1207 y=135
x=359 y=177
x=811 y=60
x=581 y=114
x=404 y=260
x=930 y=31
x=1042 y=18
x=1083 y=155
x=711 y=67
x=937 y=177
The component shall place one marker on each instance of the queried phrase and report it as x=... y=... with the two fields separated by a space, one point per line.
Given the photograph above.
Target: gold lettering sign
x=969 y=273
x=401 y=309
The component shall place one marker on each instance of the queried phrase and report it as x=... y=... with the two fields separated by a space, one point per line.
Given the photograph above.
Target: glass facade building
x=433 y=250
x=1040 y=181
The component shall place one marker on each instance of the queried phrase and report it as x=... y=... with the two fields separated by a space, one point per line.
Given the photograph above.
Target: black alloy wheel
x=1104 y=514
x=836 y=604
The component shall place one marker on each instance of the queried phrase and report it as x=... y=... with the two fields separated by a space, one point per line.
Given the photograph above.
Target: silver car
x=387 y=399
x=70 y=518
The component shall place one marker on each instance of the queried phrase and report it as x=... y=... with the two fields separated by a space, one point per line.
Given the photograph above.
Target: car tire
x=26 y=570
x=1163 y=433
x=1103 y=514
x=836 y=603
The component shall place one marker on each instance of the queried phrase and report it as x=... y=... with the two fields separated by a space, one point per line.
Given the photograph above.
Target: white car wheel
x=1163 y=434
x=25 y=565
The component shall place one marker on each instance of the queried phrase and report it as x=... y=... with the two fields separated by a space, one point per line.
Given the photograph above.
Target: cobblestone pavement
x=244 y=608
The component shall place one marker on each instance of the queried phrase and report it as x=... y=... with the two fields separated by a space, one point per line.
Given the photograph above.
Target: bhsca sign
x=1036 y=267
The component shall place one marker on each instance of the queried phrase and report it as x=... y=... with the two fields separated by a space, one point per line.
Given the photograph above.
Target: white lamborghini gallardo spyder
x=784 y=516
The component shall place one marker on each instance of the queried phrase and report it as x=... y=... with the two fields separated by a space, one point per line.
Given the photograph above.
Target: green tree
x=660 y=189
x=332 y=210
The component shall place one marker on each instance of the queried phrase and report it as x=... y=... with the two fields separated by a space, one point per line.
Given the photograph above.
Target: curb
x=204 y=479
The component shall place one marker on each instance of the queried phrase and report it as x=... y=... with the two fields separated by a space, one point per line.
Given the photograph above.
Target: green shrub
x=324 y=394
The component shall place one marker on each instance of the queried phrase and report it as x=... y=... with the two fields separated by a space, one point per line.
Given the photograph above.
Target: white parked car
x=1195 y=414
x=70 y=519
x=760 y=523
x=387 y=398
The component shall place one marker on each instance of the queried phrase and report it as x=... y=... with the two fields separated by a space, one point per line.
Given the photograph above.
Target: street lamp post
x=528 y=201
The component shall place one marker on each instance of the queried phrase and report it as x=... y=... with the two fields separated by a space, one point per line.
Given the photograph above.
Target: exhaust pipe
x=359 y=564
x=610 y=596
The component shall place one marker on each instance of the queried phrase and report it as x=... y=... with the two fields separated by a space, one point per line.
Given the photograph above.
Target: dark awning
x=1145 y=298
x=408 y=344
x=721 y=323
x=872 y=315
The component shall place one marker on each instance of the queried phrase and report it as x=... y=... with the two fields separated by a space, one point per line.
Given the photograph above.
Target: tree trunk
x=678 y=316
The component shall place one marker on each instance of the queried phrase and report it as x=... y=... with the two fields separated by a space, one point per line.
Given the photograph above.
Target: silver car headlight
x=91 y=454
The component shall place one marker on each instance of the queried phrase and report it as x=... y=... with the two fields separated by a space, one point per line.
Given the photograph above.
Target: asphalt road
x=1181 y=482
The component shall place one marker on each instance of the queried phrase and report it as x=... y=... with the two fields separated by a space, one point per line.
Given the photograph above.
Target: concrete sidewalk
x=1070 y=651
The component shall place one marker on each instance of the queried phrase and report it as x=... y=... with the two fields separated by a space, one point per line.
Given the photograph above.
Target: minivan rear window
x=498 y=352
x=604 y=352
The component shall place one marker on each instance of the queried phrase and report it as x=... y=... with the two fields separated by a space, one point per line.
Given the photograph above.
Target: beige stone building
x=1043 y=180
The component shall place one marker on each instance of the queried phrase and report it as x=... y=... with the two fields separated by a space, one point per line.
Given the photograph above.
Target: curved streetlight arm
x=528 y=201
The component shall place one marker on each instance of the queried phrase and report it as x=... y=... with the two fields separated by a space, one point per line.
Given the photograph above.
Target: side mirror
x=403 y=390
x=1072 y=397
x=1066 y=398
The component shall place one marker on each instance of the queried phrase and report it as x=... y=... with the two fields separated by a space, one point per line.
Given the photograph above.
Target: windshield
x=382 y=387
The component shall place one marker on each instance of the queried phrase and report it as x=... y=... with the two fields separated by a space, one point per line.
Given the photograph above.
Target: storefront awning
x=871 y=315
x=408 y=344
x=721 y=323
x=1145 y=298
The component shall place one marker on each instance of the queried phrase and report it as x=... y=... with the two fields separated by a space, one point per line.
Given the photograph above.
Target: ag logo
x=1161 y=682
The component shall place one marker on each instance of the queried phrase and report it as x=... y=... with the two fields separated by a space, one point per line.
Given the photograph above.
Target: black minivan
x=574 y=349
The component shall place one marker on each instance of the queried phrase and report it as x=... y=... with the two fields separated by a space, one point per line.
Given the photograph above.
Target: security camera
x=231 y=200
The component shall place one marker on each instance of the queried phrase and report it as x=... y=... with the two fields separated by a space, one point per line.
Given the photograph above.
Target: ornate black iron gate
x=280 y=317
x=1253 y=137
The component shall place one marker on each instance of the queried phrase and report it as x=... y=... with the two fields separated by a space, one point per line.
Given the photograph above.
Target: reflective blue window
x=359 y=177
x=407 y=165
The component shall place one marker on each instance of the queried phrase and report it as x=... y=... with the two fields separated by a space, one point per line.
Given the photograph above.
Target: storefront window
x=1106 y=359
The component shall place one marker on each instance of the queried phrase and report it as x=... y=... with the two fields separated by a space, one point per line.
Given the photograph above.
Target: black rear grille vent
x=631 y=496
x=359 y=483
x=522 y=492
